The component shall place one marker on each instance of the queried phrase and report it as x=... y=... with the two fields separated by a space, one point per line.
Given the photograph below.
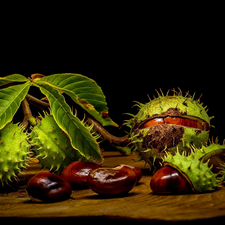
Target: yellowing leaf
x=80 y=137
x=83 y=91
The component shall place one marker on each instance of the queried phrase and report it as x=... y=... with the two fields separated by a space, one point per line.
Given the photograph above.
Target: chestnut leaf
x=83 y=91
x=10 y=99
x=80 y=137
x=12 y=78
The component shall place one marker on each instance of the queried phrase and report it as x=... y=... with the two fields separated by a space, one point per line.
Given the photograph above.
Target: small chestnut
x=112 y=181
x=76 y=173
x=136 y=170
x=168 y=180
x=48 y=187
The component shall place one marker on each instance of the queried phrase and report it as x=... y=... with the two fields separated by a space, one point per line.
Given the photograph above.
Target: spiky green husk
x=199 y=174
x=52 y=146
x=149 y=142
x=14 y=152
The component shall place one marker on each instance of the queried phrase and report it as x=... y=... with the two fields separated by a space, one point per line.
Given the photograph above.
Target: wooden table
x=140 y=205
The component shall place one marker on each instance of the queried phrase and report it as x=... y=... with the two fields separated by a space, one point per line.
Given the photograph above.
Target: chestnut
x=136 y=170
x=168 y=180
x=48 y=187
x=112 y=181
x=76 y=173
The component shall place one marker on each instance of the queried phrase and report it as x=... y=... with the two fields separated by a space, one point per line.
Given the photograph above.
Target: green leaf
x=80 y=137
x=10 y=99
x=83 y=91
x=12 y=78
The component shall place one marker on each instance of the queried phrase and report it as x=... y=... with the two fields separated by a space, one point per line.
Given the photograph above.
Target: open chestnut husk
x=183 y=173
x=48 y=187
x=76 y=173
x=112 y=181
x=168 y=180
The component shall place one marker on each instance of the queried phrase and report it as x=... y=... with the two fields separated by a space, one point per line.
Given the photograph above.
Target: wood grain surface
x=139 y=205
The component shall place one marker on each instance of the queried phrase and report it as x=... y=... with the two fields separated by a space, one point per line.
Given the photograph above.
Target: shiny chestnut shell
x=48 y=187
x=136 y=170
x=112 y=181
x=168 y=180
x=76 y=173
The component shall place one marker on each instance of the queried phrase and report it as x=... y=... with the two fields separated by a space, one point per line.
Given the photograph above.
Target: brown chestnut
x=48 y=187
x=136 y=170
x=112 y=181
x=76 y=173
x=168 y=180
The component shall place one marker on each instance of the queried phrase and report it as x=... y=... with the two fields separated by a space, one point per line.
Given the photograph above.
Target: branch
x=118 y=141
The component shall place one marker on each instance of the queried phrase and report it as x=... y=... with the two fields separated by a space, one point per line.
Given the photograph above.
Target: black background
x=128 y=55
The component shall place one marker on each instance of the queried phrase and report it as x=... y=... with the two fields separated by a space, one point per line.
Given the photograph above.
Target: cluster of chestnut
x=49 y=187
